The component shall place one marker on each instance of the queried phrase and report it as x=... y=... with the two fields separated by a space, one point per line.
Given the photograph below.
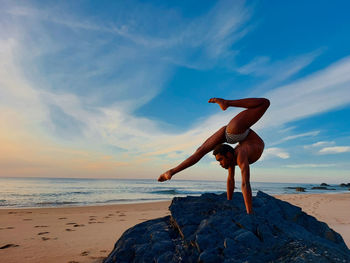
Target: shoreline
x=88 y=233
x=336 y=192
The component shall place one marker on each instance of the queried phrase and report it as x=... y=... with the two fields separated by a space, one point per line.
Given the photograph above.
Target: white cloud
x=335 y=150
x=320 y=92
x=296 y=136
x=110 y=122
x=115 y=124
x=319 y=144
x=310 y=165
x=274 y=152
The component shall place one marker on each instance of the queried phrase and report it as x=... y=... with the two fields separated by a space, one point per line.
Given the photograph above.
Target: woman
x=249 y=149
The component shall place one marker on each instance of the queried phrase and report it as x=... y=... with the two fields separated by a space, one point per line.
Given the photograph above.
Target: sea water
x=56 y=192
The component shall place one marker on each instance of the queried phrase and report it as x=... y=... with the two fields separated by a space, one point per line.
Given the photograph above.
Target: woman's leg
x=209 y=145
x=256 y=108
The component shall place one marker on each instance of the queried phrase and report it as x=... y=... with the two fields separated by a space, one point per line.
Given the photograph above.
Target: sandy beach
x=88 y=234
x=74 y=234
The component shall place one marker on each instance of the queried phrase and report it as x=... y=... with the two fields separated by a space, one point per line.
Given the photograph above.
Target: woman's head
x=224 y=154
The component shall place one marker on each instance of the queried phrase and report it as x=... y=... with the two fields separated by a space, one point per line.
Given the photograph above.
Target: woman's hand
x=165 y=176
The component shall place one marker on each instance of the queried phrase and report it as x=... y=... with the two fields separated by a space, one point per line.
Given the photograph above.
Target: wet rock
x=210 y=228
x=298 y=189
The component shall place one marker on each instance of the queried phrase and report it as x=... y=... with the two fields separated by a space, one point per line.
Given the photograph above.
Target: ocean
x=58 y=192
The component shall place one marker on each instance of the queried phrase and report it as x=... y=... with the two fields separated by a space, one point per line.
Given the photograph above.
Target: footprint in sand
x=84 y=253
x=121 y=211
x=45 y=238
x=122 y=215
x=61 y=218
x=103 y=251
x=12 y=213
x=92 y=222
x=71 y=224
x=9 y=227
x=73 y=261
x=77 y=225
x=43 y=233
x=40 y=226
x=8 y=246
x=27 y=219
x=69 y=230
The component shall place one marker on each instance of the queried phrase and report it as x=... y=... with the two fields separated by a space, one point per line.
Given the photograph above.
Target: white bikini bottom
x=234 y=138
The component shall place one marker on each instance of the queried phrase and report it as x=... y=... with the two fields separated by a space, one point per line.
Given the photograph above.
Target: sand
x=74 y=234
x=88 y=234
x=333 y=209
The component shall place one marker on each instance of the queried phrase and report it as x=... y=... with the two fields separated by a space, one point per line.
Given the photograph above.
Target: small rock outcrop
x=298 y=189
x=210 y=228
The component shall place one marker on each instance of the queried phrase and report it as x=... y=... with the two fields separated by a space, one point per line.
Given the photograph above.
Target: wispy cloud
x=319 y=92
x=296 y=136
x=277 y=71
x=310 y=165
x=274 y=152
x=74 y=81
x=76 y=92
x=335 y=150
x=319 y=144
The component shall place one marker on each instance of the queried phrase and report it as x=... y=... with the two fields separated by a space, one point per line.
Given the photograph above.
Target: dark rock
x=324 y=184
x=211 y=229
x=345 y=185
x=298 y=189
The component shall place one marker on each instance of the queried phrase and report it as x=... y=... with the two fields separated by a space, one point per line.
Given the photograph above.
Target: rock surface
x=209 y=228
x=298 y=189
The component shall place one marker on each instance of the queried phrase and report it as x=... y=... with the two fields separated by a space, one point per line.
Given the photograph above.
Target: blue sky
x=119 y=89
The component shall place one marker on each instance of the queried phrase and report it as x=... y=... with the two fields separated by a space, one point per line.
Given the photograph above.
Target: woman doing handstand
x=249 y=149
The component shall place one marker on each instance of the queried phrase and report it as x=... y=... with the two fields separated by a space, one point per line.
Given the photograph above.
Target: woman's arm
x=230 y=182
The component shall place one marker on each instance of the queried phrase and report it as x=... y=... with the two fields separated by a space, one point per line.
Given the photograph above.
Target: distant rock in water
x=210 y=228
x=324 y=184
x=298 y=189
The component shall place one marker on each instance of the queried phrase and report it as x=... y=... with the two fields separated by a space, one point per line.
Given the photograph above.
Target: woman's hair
x=223 y=149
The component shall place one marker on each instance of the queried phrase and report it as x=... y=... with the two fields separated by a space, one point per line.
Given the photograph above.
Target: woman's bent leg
x=247 y=118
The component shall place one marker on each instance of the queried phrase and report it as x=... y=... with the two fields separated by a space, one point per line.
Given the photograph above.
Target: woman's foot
x=165 y=176
x=221 y=102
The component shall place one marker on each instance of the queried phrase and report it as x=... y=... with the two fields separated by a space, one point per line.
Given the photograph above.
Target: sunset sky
x=119 y=89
